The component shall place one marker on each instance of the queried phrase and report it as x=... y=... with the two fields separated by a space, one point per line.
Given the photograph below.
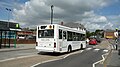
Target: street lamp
x=8 y=22
x=52 y=14
x=8 y=15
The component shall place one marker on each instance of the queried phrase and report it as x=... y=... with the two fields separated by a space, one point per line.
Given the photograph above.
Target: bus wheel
x=81 y=46
x=69 y=48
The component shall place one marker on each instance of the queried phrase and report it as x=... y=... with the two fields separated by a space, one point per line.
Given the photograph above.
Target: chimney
x=61 y=23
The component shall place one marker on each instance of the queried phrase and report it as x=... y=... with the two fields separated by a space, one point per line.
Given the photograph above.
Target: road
x=79 y=58
x=23 y=58
x=13 y=54
x=84 y=59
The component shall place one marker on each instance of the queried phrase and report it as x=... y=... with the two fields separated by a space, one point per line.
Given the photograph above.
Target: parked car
x=21 y=37
x=31 y=37
x=98 y=38
x=93 y=42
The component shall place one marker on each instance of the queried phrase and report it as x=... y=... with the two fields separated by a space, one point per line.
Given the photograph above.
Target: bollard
x=119 y=52
x=116 y=46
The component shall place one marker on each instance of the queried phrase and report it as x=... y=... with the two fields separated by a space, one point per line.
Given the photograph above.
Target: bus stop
x=8 y=32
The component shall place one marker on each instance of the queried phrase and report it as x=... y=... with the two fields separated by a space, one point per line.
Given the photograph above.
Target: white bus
x=58 y=38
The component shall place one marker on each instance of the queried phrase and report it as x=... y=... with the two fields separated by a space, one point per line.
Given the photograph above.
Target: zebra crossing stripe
x=96 y=49
x=105 y=50
x=88 y=48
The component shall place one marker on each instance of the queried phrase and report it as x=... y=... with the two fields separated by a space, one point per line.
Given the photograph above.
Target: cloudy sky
x=93 y=14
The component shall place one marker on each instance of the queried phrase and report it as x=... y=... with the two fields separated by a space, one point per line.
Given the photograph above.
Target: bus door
x=64 y=40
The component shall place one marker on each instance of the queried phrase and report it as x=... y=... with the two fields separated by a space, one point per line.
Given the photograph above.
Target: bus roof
x=65 y=27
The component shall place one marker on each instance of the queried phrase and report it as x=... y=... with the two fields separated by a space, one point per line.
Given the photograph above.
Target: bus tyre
x=81 y=47
x=69 y=48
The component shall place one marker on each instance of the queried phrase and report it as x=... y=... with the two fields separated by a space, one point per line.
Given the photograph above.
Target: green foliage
x=96 y=33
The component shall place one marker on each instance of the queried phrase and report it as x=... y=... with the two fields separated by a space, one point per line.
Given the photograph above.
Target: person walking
x=116 y=39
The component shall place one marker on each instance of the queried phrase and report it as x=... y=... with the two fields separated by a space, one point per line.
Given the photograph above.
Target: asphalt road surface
x=84 y=59
x=13 y=54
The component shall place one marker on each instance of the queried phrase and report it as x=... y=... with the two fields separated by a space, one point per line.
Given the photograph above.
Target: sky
x=93 y=14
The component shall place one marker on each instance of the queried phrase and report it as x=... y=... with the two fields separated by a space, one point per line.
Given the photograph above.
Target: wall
x=19 y=41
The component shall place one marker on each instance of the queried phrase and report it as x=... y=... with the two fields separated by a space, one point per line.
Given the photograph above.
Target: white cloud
x=115 y=21
x=35 y=12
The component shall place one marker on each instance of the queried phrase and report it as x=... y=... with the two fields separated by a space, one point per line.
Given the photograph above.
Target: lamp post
x=8 y=15
x=8 y=23
x=52 y=14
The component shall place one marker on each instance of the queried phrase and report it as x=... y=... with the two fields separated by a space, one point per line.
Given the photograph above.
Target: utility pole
x=52 y=14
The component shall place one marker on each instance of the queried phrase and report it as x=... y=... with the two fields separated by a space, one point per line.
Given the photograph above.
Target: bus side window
x=73 y=35
x=69 y=36
x=64 y=34
x=60 y=34
x=82 y=37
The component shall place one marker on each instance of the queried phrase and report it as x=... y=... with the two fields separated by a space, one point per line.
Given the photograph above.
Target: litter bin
x=119 y=52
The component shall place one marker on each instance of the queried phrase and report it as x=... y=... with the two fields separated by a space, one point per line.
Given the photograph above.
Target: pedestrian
x=87 y=40
x=115 y=45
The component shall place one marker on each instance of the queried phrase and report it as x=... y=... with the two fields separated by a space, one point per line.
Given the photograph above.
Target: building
x=75 y=25
x=8 y=32
x=109 y=34
x=26 y=34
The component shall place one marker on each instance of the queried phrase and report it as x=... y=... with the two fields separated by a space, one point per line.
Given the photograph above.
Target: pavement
x=18 y=47
x=104 y=45
x=114 y=59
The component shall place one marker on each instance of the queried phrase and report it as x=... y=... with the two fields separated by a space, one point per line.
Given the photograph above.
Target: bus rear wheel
x=69 y=49
x=81 y=46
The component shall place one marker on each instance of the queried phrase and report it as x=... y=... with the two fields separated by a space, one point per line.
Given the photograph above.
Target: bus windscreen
x=46 y=33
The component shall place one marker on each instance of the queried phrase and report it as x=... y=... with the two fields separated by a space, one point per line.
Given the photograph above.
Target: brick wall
x=19 y=41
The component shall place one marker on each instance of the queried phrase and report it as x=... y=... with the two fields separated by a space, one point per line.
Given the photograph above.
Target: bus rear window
x=46 y=33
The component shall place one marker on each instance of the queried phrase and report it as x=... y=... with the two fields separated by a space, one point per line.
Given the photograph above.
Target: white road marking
x=26 y=53
x=25 y=56
x=105 y=50
x=66 y=55
x=7 y=59
x=103 y=58
x=16 y=58
x=88 y=48
x=96 y=49
x=55 y=59
x=73 y=53
x=45 y=62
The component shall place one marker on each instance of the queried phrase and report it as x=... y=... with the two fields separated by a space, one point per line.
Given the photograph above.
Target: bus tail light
x=54 y=45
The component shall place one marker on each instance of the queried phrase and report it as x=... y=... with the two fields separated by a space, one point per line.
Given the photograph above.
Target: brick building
x=109 y=34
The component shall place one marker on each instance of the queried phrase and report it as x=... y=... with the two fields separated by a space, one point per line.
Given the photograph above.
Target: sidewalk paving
x=104 y=45
x=18 y=47
x=114 y=60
